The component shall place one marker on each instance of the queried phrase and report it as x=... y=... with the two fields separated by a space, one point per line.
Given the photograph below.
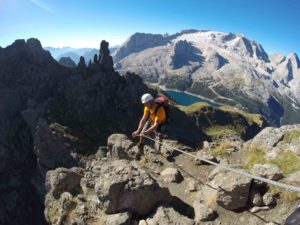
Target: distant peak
x=189 y=31
x=293 y=57
x=144 y=34
x=240 y=35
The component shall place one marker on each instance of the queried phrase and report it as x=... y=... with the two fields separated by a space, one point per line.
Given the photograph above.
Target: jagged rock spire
x=95 y=58
x=105 y=59
x=81 y=65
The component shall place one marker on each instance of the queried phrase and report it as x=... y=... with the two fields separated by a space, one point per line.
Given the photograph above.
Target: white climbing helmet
x=146 y=98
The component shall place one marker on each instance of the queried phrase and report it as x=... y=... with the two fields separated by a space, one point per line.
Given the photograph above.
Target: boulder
x=203 y=212
x=118 y=219
x=231 y=190
x=268 y=137
x=121 y=147
x=63 y=180
x=123 y=186
x=269 y=171
x=166 y=215
x=193 y=185
x=206 y=154
x=268 y=199
x=274 y=139
x=171 y=175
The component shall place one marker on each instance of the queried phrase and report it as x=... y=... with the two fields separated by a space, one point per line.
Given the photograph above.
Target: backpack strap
x=159 y=105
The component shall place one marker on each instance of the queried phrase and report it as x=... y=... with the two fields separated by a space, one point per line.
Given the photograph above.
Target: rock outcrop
x=54 y=147
x=171 y=175
x=105 y=191
x=121 y=147
x=269 y=171
x=28 y=76
x=104 y=56
x=67 y=61
x=229 y=190
x=276 y=140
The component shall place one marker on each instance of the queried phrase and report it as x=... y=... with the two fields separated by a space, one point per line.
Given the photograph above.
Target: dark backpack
x=163 y=101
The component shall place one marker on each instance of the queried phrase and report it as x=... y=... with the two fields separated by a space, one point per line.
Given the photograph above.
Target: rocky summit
x=67 y=156
x=228 y=68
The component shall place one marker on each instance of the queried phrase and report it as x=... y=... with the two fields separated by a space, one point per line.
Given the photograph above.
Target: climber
x=157 y=118
x=294 y=217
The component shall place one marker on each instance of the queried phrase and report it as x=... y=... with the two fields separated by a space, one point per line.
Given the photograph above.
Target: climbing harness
x=239 y=171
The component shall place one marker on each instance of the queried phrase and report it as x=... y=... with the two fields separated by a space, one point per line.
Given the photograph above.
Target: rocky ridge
x=114 y=188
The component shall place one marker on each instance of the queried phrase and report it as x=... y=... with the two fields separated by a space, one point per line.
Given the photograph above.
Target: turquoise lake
x=186 y=99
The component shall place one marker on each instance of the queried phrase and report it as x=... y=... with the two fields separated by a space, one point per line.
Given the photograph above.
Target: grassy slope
x=223 y=121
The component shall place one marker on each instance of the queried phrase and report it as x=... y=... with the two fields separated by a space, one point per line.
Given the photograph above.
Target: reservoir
x=185 y=99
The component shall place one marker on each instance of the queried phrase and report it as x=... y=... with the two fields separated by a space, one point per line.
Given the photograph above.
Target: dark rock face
x=33 y=86
x=275 y=106
x=185 y=53
x=52 y=149
x=27 y=72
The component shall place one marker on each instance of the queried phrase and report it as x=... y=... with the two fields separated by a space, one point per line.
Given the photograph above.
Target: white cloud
x=42 y=5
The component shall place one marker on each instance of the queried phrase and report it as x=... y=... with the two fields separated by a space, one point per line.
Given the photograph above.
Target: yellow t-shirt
x=160 y=114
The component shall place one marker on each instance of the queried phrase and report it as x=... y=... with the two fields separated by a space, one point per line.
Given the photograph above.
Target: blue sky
x=84 y=23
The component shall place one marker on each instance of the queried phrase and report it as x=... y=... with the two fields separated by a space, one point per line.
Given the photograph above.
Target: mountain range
x=75 y=53
x=228 y=68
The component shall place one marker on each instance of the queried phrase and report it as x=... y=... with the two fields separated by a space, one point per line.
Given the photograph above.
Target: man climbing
x=157 y=117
